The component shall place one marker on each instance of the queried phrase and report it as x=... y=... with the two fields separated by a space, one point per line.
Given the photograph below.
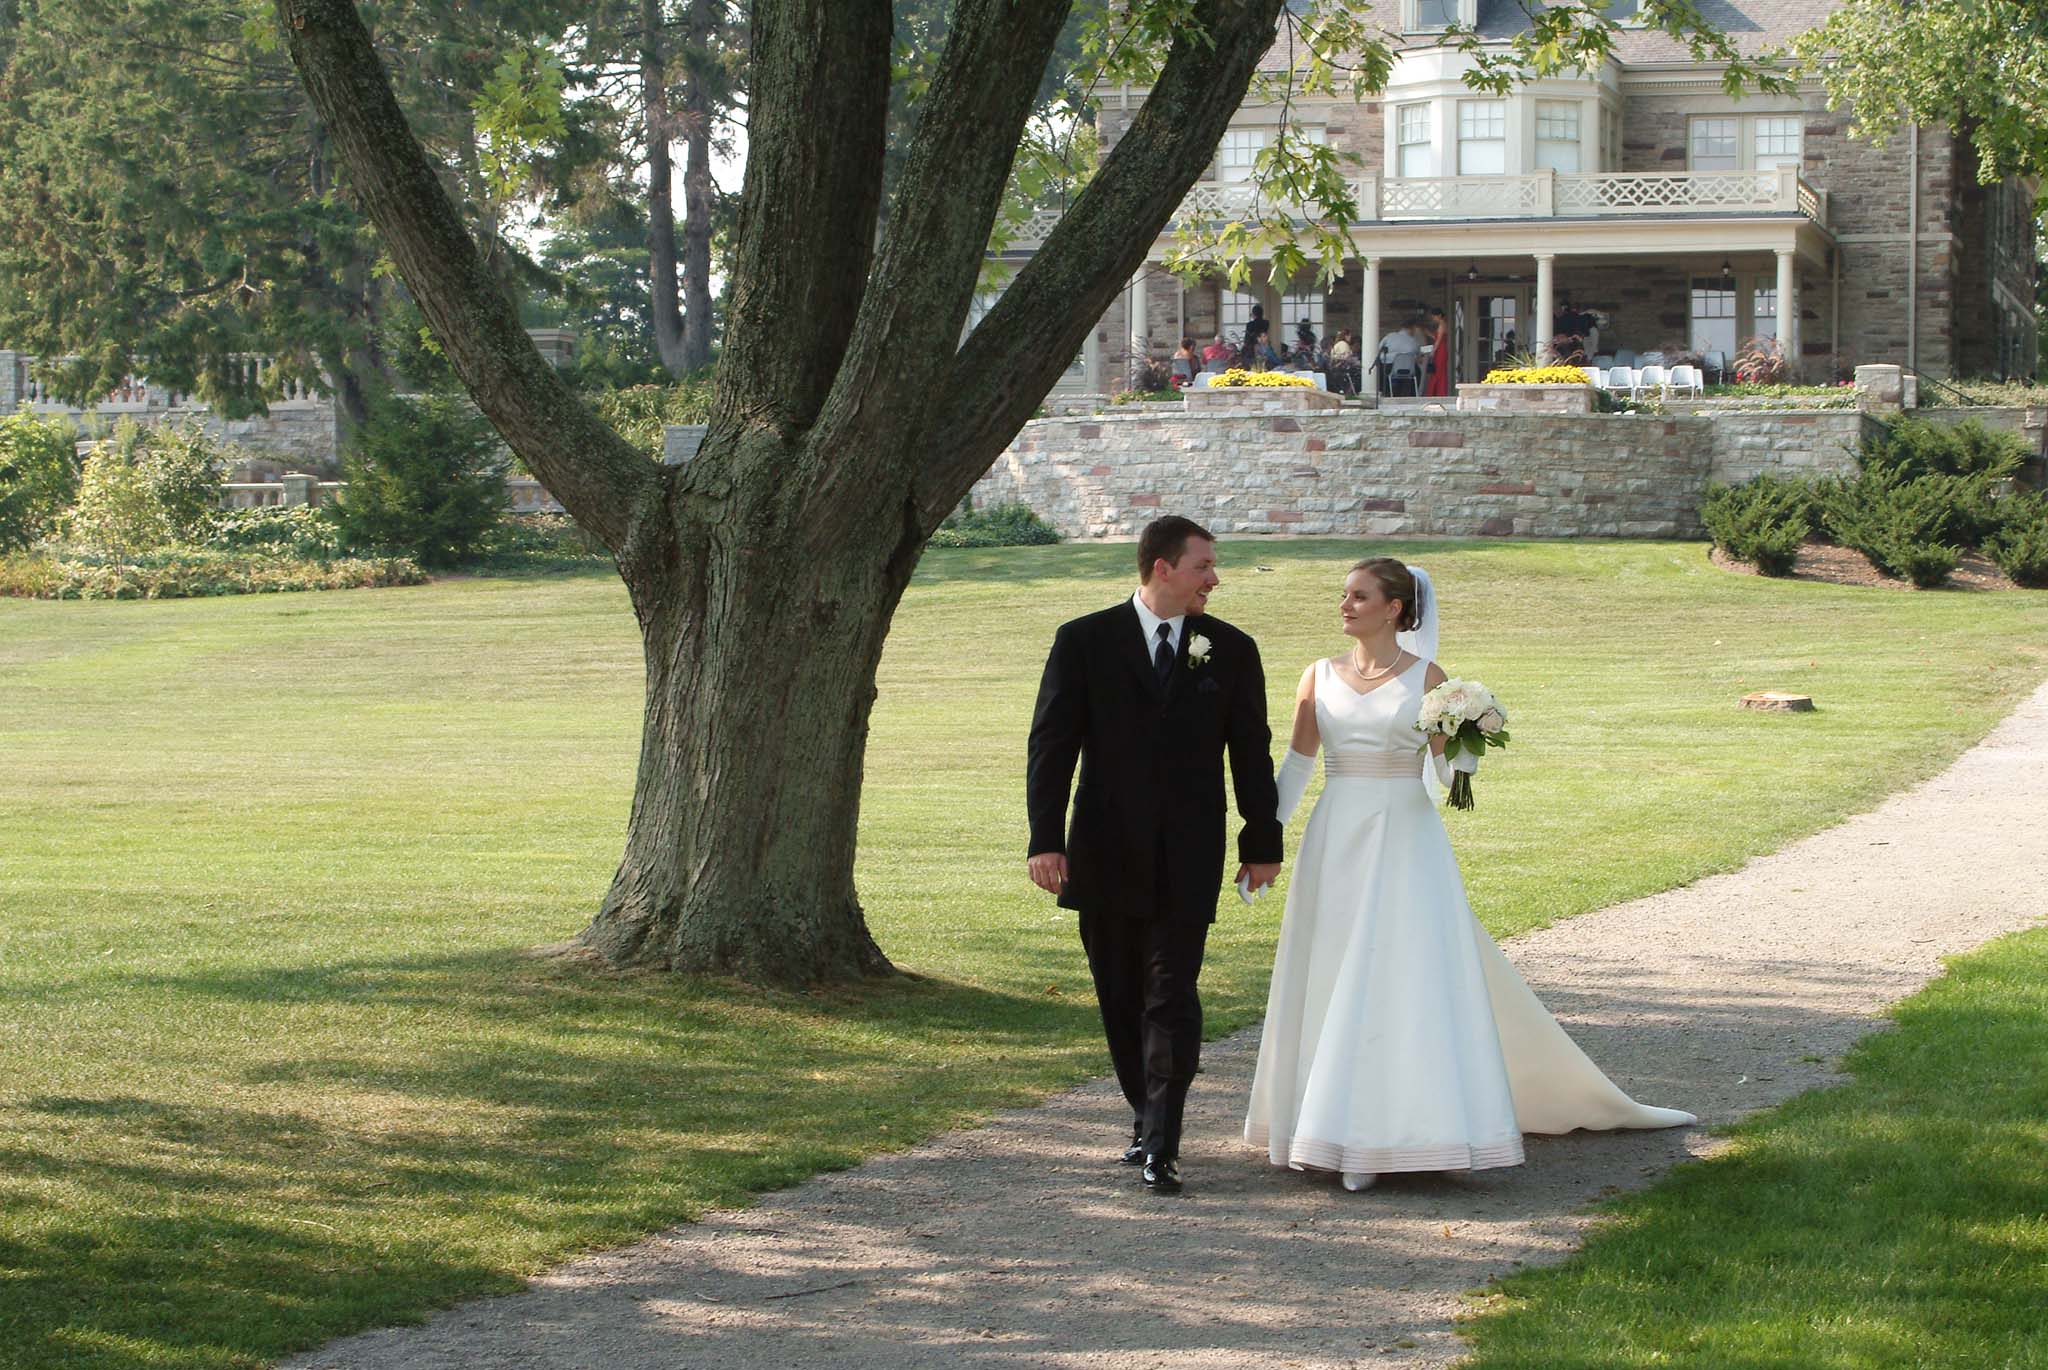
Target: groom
x=1148 y=696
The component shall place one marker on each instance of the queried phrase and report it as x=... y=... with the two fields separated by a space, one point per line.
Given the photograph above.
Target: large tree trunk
x=661 y=209
x=765 y=572
x=698 y=188
x=740 y=849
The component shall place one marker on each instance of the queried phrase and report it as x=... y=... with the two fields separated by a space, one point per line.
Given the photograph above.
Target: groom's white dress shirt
x=1150 y=622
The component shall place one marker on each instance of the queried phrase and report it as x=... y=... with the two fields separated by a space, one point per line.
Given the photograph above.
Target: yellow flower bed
x=1539 y=375
x=1269 y=380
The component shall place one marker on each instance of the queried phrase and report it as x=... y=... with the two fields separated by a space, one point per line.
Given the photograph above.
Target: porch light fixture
x=1472 y=272
x=1727 y=267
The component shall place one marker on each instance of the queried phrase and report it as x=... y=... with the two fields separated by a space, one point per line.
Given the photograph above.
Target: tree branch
x=820 y=69
x=598 y=477
x=1016 y=353
x=969 y=125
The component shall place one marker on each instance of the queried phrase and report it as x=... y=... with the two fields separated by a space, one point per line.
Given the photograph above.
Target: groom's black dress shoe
x=1134 y=1154
x=1162 y=1174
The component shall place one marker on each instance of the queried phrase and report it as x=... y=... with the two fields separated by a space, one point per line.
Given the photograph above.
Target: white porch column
x=1788 y=309
x=1369 y=313
x=1538 y=337
x=1091 y=360
x=1140 y=325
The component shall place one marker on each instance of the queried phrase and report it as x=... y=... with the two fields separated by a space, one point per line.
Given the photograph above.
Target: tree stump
x=1779 y=700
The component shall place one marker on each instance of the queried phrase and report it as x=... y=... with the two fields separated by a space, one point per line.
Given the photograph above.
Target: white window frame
x=1460 y=12
x=1749 y=130
x=1559 y=146
x=1233 y=312
x=1298 y=305
x=1494 y=114
x=1726 y=129
x=1763 y=291
x=1723 y=293
x=1238 y=151
x=1773 y=128
x=1424 y=146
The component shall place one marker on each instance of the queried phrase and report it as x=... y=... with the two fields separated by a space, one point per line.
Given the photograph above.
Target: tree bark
x=661 y=210
x=766 y=571
x=698 y=188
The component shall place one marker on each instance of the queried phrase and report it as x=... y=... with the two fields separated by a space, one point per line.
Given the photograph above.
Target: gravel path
x=1019 y=1244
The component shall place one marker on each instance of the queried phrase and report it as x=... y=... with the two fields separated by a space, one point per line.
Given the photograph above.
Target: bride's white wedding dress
x=1397 y=1036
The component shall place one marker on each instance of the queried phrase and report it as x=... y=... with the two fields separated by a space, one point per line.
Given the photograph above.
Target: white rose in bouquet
x=1467 y=715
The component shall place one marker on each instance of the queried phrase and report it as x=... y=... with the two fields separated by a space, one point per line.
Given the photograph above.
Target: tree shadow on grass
x=383 y=1136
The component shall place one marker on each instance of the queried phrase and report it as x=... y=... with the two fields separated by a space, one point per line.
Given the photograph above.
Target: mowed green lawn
x=276 y=1062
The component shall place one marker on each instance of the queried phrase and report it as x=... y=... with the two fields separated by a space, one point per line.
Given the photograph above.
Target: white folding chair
x=1653 y=375
x=1685 y=380
x=1625 y=358
x=1604 y=360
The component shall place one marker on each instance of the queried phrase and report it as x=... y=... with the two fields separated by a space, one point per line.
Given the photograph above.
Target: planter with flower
x=1530 y=390
x=1266 y=391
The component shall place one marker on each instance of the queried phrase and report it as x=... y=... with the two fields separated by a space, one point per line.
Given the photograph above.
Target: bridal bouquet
x=1466 y=713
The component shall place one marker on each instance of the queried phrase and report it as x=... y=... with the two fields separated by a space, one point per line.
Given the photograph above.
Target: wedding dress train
x=1397 y=1035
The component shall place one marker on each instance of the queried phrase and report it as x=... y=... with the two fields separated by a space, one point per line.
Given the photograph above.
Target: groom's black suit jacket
x=1147 y=835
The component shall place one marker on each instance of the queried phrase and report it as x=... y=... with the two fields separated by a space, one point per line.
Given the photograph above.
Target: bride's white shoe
x=1354 y=1181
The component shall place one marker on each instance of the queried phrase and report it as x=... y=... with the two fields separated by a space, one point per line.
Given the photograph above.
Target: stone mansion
x=1640 y=193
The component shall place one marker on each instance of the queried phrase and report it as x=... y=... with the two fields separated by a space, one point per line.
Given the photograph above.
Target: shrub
x=1926 y=564
x=426 y=479
x=1763 y=521
x=540 y=542
x=1760 y=361
x=639 y=413
x=1005 y=525
x=2020 y=545
x=182 y=468
x=1911 y=448
x=118 y=513
x=304 y=532
x=1904 y=527
x=1147 y=374
x=186 y=574
x=38 y=477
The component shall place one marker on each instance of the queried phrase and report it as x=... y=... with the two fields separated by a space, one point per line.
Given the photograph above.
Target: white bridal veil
x=1422 y=641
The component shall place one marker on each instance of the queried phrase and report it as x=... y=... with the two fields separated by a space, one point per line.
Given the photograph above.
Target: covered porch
x=1703 y=288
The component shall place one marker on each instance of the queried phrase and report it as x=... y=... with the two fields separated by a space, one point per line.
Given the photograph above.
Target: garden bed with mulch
x=1824 y=561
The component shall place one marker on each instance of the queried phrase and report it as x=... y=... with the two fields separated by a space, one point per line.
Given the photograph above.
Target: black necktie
x=1162 y=660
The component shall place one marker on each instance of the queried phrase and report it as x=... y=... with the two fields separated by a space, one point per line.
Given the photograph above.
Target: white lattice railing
x=138 y=394
x=1540 y=195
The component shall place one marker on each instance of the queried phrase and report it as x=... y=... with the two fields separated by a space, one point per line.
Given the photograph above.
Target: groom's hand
x=1261 y=874
x=1049 y=871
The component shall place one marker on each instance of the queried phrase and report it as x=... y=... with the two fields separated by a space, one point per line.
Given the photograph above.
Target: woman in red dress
x=1440 y=358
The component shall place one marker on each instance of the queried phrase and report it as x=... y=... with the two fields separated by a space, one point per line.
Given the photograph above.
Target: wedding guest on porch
x=1343 y=364
x=1400 y=350
x=1258 y=349
x=1439 y=356
x=1186 y=362
x=1218 y=355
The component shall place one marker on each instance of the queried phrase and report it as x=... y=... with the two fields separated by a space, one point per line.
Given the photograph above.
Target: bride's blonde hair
x=1396 y=581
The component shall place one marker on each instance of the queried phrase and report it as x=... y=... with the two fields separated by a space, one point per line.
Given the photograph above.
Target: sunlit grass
x=275 y=1062
x=1901 y=1220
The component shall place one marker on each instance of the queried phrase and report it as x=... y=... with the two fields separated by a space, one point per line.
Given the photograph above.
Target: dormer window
x=1434 y=16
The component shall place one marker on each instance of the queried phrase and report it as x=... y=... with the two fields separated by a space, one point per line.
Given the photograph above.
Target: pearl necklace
x=1363 y=674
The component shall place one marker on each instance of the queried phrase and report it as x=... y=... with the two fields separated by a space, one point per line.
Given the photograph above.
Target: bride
x=1397 y=1036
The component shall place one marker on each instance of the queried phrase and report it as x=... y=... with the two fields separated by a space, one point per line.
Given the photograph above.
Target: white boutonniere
x=1198 y=650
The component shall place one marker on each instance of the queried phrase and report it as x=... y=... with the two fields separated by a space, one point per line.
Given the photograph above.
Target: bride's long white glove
x=1295 y=772
x=1466 y=762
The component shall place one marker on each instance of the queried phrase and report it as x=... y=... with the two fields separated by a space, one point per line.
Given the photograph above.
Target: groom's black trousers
x=1145 y=971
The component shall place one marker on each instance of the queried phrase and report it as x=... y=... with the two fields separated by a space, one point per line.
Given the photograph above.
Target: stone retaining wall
x=1386 y=474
